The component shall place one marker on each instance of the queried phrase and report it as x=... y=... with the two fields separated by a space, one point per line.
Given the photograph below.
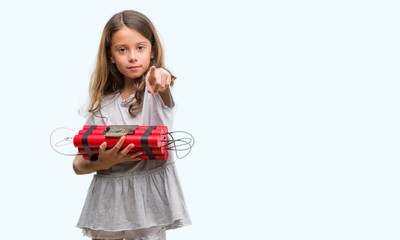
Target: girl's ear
x=152 y=54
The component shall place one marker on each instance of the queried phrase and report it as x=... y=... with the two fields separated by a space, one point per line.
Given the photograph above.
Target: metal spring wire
x=175 y=146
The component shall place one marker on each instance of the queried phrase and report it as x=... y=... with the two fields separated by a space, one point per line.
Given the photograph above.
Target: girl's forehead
x=127 y=35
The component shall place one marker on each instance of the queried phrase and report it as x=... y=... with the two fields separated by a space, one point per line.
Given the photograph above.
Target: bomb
x=151 y=140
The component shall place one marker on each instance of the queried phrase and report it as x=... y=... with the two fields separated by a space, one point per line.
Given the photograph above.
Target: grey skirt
x=137 y=200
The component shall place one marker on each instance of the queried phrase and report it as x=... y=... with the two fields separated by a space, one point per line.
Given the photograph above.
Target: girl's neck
x=130 y=87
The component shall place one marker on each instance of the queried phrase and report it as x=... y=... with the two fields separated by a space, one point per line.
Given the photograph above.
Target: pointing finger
x=150 y=79
x=149 y=87
x=158 y=80
x=152 y=73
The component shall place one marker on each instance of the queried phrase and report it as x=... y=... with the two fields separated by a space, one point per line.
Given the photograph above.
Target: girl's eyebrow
x=143 y=42
x=125 y=44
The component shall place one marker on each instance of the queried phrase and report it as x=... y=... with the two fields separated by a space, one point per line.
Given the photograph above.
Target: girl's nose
x=132 y=56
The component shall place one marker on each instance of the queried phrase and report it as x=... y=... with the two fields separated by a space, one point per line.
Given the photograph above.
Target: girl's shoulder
x=109 y=100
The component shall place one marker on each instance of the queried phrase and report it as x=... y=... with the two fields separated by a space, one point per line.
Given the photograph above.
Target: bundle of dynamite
x=151 y=140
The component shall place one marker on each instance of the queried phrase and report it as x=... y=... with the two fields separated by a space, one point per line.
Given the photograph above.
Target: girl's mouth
x=133 y=68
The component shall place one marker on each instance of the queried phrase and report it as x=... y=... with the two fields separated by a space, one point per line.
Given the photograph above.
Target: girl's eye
x=141 y=47
x=122 y=50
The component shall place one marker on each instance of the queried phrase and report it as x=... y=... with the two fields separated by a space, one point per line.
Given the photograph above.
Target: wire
x=60 y=143
x=175 y=146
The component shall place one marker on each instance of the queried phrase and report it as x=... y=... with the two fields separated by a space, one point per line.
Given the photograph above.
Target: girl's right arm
x=106 y=159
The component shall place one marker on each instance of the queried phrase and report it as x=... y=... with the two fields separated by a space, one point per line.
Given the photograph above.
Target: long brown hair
x=106 y=79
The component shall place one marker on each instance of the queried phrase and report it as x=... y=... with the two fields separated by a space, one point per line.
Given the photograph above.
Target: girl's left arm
x=166 y=97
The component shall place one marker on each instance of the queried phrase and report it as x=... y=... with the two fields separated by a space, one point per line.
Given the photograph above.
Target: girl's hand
x=157 y=80
x=106 y=159
x=113 y=156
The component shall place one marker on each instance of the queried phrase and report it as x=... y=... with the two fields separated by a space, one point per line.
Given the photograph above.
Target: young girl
x=130 y=198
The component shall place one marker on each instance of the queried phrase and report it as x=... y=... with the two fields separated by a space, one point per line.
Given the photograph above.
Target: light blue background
x=294 y=106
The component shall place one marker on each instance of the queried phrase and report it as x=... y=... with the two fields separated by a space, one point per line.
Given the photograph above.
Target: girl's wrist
x=165 y=90
x=92 y=166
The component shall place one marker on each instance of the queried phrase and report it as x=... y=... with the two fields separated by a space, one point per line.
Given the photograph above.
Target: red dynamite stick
x=158 y=157
x=98 y=127
x=137 y=132
x=94 y=141
x=143 y=156
x=158 y=130
x=155 y=151
x=104 y=127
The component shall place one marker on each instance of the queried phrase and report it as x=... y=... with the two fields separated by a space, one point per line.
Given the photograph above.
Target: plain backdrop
x=294 y=106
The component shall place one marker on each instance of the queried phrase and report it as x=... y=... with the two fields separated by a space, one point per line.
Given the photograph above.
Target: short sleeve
x=161 y=103
x=90 y=120
x=155 y=112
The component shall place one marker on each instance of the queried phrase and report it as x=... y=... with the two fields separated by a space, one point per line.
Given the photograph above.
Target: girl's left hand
x=157 y=80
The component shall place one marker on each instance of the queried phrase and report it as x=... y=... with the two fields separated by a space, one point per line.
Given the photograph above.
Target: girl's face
x=130 y=52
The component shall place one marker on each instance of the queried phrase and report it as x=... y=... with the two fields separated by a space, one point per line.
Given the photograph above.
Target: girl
x=129 y=198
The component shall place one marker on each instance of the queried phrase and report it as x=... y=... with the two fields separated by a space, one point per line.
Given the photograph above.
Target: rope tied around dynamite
x=173 y=144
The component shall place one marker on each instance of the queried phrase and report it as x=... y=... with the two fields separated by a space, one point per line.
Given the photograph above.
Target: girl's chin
x=132 y=77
